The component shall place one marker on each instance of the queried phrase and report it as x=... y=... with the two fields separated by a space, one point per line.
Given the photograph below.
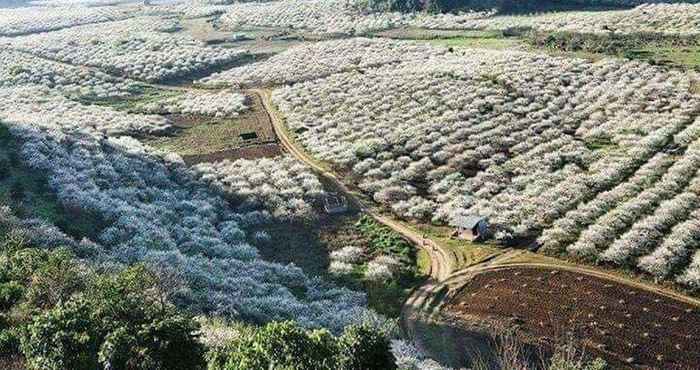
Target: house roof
x=466 y=221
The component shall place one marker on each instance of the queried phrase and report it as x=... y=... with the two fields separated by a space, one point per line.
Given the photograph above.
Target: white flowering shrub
x=669 y=19
x=18 y=68
x=20 y=21
x=43 y=107
x=691 y=276
x=141 y=48
x=156 y=212
x=594 y=158
x=282 y=186
x=408 y=357
x=312 y=61
x=219 y=104
x=352 y=255
x=382 y=268
x=341 y=268
x=315 y=16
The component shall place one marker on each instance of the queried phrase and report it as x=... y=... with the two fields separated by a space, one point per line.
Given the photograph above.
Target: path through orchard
x=447 y=276
x=421 y=319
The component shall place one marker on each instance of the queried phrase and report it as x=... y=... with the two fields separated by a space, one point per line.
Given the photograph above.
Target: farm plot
x=649 y=330
x=142 y=48
x=210 y=139
x=311 y=61
x=28 y=20
x=520 y=138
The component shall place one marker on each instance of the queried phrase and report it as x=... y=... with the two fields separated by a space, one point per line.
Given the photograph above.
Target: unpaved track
x=427 y=300
x=440 y=267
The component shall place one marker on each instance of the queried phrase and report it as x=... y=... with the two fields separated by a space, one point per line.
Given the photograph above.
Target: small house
x=470 y=227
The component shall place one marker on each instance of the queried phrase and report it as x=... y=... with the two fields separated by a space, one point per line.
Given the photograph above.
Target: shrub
x=10 y=293
x=362 y=348
x=65 y=337
x=168 y=343
x=285 y=345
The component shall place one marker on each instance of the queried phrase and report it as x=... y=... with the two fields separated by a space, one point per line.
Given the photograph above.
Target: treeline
x=57 y=313
x=503 y=6
x=611 y=43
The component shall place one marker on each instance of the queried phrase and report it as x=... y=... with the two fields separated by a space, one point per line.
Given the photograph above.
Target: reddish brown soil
x=628 y=327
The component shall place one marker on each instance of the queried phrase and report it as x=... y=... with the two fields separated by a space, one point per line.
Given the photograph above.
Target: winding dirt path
x=426 y=301
x=440 y=267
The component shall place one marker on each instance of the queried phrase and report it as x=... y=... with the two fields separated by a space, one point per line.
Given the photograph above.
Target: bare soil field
x=251 y=152
x=628 y=327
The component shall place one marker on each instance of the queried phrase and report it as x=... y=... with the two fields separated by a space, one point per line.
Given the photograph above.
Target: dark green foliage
x=279 y=345
x=284 y=345
x=65 y=337
x=363 y=348
x=60 y=315
x=612 y=43
x=10 y=293
x=393 y=5
x=9 y=342
x=384 y=240
x=167 y=343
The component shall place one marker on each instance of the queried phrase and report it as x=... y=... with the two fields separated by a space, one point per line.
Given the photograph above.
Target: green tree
x=364 y=348
x=64 y=337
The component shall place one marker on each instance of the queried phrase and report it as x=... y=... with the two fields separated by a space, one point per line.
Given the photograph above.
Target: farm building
x=470 y=227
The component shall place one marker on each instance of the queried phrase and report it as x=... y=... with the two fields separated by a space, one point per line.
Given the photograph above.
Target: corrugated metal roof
x=466 y=222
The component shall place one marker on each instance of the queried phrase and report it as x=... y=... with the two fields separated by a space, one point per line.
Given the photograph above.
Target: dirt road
x=426 y=301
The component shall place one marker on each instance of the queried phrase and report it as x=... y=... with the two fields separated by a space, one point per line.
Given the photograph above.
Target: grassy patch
x=201 y=135
x=487 y=42
x=683 y=57
x=27 y=193
x=141 y=95
x=463 y=252
x=206 y=136
x=423 y=262
x=383 y=240
x=603 y=144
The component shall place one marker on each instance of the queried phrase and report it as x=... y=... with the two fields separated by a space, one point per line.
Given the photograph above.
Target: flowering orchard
x=669 y=19
x=219 y=104
x=34 y=105
x=315 y=16
x=20 y=69
x=283 y=188
x=156 y=211
x=347 y=18
x=142 y=48
x=41 y=19
x=329 y=57
x=597 y=159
